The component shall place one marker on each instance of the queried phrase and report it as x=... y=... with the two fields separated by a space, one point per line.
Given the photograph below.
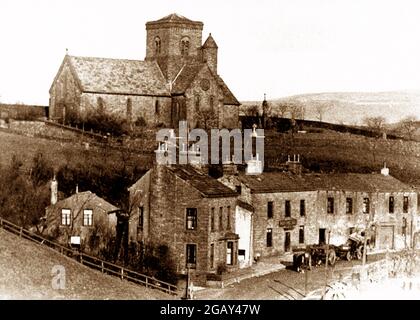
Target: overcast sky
x=278 y=47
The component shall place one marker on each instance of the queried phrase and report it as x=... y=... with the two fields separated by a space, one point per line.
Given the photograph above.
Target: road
x=286 y=284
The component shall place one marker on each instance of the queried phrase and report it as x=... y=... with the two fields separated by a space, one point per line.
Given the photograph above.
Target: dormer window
x=157 y=45
x=185 y=46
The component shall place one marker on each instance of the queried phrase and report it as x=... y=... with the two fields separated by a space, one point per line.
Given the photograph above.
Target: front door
x=287 y=241
x=321 y=236
x=229 y=253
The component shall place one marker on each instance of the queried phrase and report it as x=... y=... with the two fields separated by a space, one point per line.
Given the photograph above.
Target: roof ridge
x=114 y=59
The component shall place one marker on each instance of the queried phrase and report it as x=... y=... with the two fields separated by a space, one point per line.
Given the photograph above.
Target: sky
x=277 y=47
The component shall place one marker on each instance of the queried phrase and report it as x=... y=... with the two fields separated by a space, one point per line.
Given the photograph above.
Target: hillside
x=25 y=273
x=329 y=151
x=352 y=107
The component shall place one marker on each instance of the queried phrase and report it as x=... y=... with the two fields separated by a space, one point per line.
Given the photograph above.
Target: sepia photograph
x=228 y=152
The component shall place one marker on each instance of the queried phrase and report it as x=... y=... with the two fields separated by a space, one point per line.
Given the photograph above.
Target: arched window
x=157 y=107
x=157 y=45
x=185 y=46
x=197 y=102
x=129 y=109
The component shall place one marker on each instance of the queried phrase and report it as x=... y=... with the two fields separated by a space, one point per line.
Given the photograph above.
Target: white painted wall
x=243 y=227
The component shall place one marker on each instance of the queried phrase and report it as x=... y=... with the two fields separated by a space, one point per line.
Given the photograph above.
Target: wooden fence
x=92 y=262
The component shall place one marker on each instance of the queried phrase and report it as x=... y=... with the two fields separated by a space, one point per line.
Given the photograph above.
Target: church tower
x=173 y=41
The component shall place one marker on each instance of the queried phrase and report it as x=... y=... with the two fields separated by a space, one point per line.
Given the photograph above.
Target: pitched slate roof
x=271 y=182
x=205 y=184
x=186 y=77
x=210 y=43
x=189 y=73
x=175 y=19
x=229 y=97
x=119 y=76
x=87 y=198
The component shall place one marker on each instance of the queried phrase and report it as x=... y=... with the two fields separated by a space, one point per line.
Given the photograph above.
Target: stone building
x=178 y=80
x=193 y=214
x=293 y=209
x=84 y=216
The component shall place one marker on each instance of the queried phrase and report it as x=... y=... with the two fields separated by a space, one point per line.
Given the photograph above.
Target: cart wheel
x=331 y=257
x=348 y=256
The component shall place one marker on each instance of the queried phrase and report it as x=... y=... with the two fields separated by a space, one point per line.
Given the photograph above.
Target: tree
x=376 y=124
x=321 y=107
x=252 y=111
x=282 y=108
x=408 y=126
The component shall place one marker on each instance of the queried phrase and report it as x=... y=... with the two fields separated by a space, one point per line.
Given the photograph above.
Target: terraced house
x=193 y=214
x=293 y=209
x=178 y=80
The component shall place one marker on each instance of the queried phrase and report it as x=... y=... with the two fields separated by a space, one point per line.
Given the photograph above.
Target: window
x=212 y=256
x=229 y=253
x=211 y=102
x=191 y=218
x=239 y=189
x=269 y=237
x=228 y=218
x=141 y=218
x=302 y=234
x=391 y=204
x=349 y=205
x=157 y=107
x=330 y=205
x=351 y=230
x=405 y=204
x=302 y=208
x=65 y=217
x=212 y=220
x=221 y=218
x=287 y=209
x=185 y=46
x=270 y=209
x=366 y=205
x=129 y=109
x=191 y=255
x=197 y=102
x=158 y=44
x=87 y=217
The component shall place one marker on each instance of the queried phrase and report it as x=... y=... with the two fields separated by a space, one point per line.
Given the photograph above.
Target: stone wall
x=339 y=223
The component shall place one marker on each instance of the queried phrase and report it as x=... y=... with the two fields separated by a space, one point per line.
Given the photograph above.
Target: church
x=178 y=80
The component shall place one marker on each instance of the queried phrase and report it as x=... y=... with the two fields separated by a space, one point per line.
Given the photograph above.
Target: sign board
x=75 y=240
x=288 y=223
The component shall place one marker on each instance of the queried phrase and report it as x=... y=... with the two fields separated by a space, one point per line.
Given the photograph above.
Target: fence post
x=122 y=273
x=81 y=259
x=147 y=282
x=20 y=233
x=102 y=266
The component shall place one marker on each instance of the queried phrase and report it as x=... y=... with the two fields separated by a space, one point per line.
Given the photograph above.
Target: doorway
x=287 y=241
x=321 y=239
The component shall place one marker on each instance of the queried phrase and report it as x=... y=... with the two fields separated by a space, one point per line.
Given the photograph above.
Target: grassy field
x=329 y=151
x=59 y=153
x=26 y=273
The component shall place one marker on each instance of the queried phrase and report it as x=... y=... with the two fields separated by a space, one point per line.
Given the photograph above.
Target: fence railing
x=92 y=262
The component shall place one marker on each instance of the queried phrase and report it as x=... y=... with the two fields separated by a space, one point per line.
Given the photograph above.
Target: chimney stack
x=54 y=191
x=294 y=166
x=385 y=170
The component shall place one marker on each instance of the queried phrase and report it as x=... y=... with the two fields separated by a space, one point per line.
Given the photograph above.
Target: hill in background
x=352 y=107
